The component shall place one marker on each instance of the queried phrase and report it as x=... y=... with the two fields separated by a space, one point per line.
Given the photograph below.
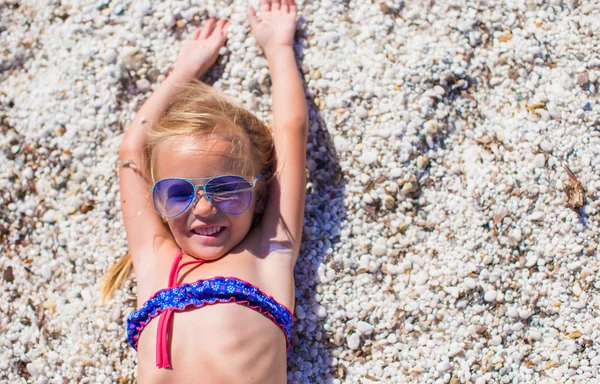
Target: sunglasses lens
x=230 y=194
x=172 y=196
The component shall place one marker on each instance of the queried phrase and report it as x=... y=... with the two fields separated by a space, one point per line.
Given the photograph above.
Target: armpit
x=277 y=246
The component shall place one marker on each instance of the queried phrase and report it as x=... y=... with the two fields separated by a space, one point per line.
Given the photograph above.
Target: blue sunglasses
x=229 y=194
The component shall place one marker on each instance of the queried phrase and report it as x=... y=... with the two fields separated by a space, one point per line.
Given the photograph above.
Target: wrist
x=278 y=50
x=180 y=77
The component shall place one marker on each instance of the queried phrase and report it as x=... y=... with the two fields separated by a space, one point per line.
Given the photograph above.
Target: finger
x=265 y=6
x=219 y=28
x=252 y=16
x=275 y=5
x=284 y=6
x=207 y=29
x=196 y=34
x=292 y=6
x=226 y=28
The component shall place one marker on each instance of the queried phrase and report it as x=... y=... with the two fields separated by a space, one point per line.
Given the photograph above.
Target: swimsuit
x=203 y=292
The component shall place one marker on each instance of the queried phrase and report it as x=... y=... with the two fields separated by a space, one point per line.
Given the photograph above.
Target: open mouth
x=210 y=231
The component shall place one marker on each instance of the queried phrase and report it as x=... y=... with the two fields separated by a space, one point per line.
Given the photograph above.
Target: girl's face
x=193 y=229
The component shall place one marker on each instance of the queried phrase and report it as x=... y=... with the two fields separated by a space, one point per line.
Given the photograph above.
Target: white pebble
x=364 y=328
x=368 y=158
x=143 y=85
x=442 y=367
x=361 y=112
x=539 y=160
x=490 y=296
x=353 y=341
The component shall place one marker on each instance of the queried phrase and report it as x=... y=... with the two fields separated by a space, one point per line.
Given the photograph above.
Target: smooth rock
x=341 y=144
x=110 y=56
x=546 y=146
x=490 y=296
x=539 y=161
x=143 y=85
x=364 y=328
x=353 y=341
x=368 y=158
x=361 y=112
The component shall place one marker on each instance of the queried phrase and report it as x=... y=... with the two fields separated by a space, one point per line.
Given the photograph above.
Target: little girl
x=215 y=282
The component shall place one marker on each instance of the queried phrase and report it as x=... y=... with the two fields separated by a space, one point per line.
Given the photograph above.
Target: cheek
x=177 y=226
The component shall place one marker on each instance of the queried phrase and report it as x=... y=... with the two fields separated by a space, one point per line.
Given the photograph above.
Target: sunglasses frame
x=195 y=194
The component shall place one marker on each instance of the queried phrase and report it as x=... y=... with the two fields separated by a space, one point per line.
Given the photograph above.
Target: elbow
x=298 y=124
x=128 y=149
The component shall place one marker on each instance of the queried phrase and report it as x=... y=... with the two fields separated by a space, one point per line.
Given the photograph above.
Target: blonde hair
x=196 y=112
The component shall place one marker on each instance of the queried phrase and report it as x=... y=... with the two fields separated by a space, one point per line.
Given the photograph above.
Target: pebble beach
x=452 y=215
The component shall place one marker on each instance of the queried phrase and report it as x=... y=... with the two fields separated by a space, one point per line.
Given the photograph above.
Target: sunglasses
x=229 y=194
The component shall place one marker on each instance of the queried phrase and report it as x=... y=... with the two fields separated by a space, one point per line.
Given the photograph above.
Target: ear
x=260 y=203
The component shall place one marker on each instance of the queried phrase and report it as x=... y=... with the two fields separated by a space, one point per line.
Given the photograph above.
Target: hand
x=201 y=50
x=276 y=26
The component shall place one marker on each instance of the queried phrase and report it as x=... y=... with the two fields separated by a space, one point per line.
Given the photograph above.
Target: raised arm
x=284 y=213
x=146 y=233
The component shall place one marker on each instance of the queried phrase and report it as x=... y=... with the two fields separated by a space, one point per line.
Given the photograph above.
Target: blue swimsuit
x=203 y=292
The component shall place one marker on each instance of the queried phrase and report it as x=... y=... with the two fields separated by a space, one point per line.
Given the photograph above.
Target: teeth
x=207 y=231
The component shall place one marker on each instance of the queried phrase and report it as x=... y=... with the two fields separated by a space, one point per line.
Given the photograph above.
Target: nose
x=201 y=205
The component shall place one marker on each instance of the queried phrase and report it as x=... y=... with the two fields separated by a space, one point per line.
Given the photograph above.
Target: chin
x=204 y=252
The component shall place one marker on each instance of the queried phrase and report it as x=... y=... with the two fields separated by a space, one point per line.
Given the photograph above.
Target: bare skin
x=225 y=343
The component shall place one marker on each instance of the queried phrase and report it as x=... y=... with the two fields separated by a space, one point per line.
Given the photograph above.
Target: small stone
x=395 y=173
x=512 y=312
x=583 y=78
x=536 y=216
x=28 y=173
x=442 y=367
x=46 y=271
x=388 y=202
x=143 y=85
x=73 y=360
x=379 y=250
x=490 y=296
x=553 y=110
x=32 y=370
x=531 y=260
x=525 y=313
x=495 y=340
x=341 y=144
x=110 y=56
x=364 y=328
x=577 y=291
x=368 y=158
x=431 y=126
x=408 y=188
x=143 y=8
x=361 y=112
x=132 y=58
x=558 y=91
x=470 y=283
x=49 y=216
x=353 y=341
x=300 y=314
x=539 y=161
x=319 y=310
x=546 y=146
x=422 y=161
x=535 y=334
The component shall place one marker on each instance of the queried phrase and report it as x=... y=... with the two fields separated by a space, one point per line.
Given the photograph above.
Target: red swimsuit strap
x=162 y=351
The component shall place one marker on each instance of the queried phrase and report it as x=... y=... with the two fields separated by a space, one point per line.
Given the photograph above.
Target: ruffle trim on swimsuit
x=208 y=292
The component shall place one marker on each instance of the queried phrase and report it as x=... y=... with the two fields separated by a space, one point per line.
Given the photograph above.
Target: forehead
x=205 y=157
